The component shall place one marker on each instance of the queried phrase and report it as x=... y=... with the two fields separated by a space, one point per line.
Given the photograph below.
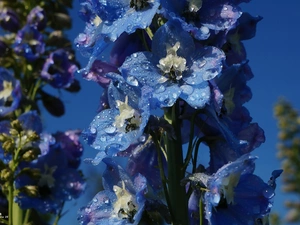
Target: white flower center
x=195 y=5
x=228 y=185
x=125 y=207
x=172 y=65
x=7 y=90
x=129 y=119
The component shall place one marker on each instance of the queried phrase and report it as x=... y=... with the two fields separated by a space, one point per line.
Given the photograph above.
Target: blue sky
x=274 y=59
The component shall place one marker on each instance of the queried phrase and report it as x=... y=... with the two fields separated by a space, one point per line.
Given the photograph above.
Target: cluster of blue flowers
x=177 y=75
x=39 y=170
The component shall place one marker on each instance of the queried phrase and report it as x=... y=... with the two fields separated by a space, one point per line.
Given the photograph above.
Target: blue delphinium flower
x=10 y=92
x=59 y=180
x=37 y=18
x=107 y=20
x=235 y=195
x=175 y=67
x=69 y=141
x=59 y=70
x=9 y=20
x=121 y=202
x=29 y=43
x=31 y=121
x=202 y=18
x=143 y=159
x=116 y=128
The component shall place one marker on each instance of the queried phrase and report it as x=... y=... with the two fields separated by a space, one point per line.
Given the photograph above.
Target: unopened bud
x=5 y=174
x=3 y=137
x=14 y=132
x=16 y=125
x=8 y=146
x=32 y=135
x=31 y=154
x=30 y=190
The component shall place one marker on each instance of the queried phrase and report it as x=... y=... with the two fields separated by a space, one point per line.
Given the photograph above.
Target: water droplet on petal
x=268 y=192
x=187 y=89
x=132 y=81
x=145 y=66
x=103 y=138
x=202 y=63
x=93 y=130
x=134 y=55
x=160 y=89
x=110 y=129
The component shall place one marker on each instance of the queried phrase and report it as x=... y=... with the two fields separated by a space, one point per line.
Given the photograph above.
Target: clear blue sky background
x=274 y=59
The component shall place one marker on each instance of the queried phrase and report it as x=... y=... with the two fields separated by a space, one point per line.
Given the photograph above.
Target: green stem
x=17 y=214
x=27 y=215
x=177 y=192
x=10 y=204
x=58 y=216
x=191 y=145
x=162 y=174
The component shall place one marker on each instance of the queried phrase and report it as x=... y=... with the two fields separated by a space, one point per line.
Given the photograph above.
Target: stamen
x=125 y=207
x=172 y=65
x=129 y=118
x=139 y=4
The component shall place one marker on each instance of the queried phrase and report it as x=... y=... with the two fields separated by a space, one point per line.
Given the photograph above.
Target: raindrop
x=202 y=63
x=187 y=89
x=132 y=81
x=93 y=130
x=160 y=89
x=134 y=55
x=110 y=129
x=268 y=192
x=145 y=66
x=142 y=138
x=103 y=138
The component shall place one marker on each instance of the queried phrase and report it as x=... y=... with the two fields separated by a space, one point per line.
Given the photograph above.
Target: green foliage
x=289 y=153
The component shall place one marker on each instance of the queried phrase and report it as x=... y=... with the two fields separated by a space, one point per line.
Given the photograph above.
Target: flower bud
x=32 y=136
x=16 y=125
x=5 y=174
x=30 y=190
x=3 y=137
x=30 y=155
x=8 y=145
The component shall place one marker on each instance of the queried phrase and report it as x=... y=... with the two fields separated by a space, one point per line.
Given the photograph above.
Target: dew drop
x=160 y=89
x=142 y=138
x=187 y=89
x=268 y=192
x=103 y=138
x=134 y=55
x=145 y=66
x=132 y=81
x=93 y=130
x=202 y=63
x=110 y=129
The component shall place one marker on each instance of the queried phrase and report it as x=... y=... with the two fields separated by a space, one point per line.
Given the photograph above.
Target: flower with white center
x=172 y=65
x=129 y=118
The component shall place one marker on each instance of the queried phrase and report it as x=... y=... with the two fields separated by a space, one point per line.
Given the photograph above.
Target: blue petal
x=130 y=21
x=197 y=95
x=167 y=36
x=207 y=63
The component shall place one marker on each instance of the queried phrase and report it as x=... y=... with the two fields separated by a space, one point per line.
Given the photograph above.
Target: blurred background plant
x=39 y=170
x=288 y=122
